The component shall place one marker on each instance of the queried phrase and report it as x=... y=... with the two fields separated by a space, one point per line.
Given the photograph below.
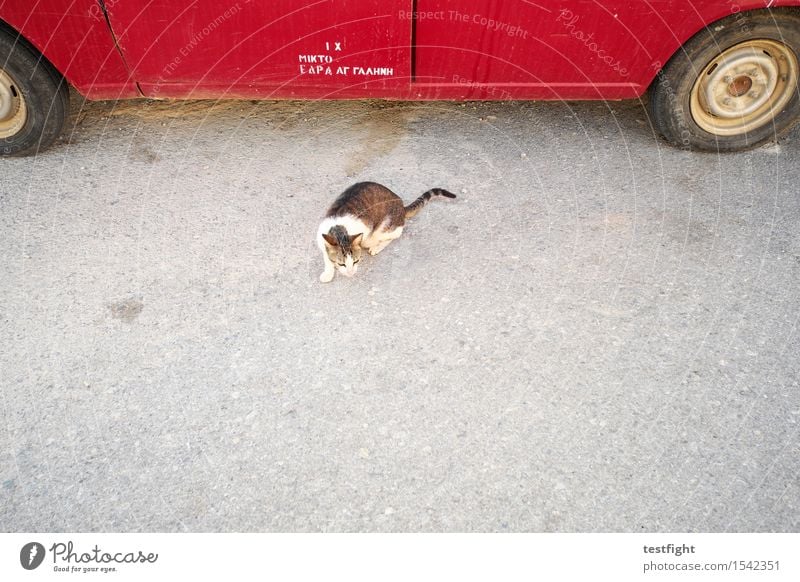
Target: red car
x=721 y=74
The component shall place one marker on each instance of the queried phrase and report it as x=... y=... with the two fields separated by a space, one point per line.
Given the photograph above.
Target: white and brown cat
x=366 y=216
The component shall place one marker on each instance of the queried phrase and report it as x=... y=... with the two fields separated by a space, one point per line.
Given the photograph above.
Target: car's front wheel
x=733 y=85
x=34 y=100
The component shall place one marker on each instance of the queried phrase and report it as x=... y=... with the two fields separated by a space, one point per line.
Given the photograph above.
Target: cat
x=366 y=216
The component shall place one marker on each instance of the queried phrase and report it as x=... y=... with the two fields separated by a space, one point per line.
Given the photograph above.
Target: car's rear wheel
x=733 y=85
x=34 y=100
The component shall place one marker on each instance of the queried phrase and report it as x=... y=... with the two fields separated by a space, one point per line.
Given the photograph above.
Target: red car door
x=262 y=49
x=539 y=49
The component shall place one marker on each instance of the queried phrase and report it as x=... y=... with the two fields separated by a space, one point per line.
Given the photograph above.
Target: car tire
x=34 y=98
x=733 y=85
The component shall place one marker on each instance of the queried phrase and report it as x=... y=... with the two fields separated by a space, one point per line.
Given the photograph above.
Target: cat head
x=344 y=250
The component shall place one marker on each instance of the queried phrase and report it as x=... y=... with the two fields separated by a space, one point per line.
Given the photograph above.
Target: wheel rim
x=744 y=87
x=13 y=112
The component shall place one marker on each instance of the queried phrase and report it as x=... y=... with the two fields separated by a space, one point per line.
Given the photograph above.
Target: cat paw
x=374 y=251
x=326 y=277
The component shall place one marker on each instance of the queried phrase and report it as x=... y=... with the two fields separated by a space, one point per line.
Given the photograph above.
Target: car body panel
x=75 y=38
x=265 y=49
x=483 y=49
x=572 y=49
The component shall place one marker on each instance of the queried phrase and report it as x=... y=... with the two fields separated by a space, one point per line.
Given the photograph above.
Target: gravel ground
x=599 y=334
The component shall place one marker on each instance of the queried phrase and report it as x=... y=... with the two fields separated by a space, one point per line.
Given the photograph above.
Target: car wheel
x=34 y=99
x=733 y=86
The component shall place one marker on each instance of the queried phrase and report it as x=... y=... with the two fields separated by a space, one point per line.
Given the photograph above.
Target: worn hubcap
x=13 y=112
x=744 y=87
x=740 y=85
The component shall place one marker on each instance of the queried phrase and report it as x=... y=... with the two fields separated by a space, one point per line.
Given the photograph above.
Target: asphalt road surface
x=599 y=334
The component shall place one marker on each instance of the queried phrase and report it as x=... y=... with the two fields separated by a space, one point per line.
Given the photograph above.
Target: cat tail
x=417 y=205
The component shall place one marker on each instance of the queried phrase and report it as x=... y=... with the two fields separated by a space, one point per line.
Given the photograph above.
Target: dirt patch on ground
x=158 y=110
x=382 y=129
x=282 y=113
x=127 y=310
x=369 y=129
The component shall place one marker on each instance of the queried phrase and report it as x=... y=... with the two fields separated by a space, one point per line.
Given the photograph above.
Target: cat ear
x=330 y=239
x=356 y=239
